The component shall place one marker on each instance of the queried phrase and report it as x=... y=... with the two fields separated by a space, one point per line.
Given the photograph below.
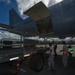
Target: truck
x=23 y=51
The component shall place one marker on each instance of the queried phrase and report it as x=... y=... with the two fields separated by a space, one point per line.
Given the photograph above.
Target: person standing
x=70 y=51
x=65 y=55
x=51 y=57
x=55 y=47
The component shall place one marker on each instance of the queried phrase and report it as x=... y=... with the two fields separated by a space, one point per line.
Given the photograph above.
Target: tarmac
x=58 y=69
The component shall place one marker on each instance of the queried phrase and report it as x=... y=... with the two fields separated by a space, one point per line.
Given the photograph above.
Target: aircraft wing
x=10 y=29
x=6 y=26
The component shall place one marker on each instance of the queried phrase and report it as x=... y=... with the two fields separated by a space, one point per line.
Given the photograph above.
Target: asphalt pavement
x=58 y=69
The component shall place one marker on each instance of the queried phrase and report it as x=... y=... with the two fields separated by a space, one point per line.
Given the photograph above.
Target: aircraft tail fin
x=13 y=17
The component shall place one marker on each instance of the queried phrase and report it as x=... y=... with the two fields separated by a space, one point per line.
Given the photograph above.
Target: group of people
x=67 y=55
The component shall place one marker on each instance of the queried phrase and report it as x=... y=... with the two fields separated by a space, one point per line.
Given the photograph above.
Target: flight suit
x=65 y=56
x=51 y=58
x=70 y=51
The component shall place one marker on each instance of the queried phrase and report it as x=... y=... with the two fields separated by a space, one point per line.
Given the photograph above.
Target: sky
x=20 y=6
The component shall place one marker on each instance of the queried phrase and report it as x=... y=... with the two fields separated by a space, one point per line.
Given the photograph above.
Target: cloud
x=6 y=34
x=7 y=1
x=53 y=2
x=23 y=5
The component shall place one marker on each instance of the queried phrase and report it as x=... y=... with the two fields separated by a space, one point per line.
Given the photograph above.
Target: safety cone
x=18 y=65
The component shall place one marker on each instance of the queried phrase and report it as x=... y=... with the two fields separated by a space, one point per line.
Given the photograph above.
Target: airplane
x=57 y=20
